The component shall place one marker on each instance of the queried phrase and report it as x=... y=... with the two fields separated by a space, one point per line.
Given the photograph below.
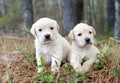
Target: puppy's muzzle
x=88 y=41
x=47 y=37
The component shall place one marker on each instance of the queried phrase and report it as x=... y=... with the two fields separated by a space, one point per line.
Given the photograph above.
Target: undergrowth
x=67 y=73
x=107 y=70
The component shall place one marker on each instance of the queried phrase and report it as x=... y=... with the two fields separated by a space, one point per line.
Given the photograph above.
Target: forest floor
x=18 y=64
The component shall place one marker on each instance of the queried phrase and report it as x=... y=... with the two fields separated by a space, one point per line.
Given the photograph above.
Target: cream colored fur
x=82 y=37
x=55 y=50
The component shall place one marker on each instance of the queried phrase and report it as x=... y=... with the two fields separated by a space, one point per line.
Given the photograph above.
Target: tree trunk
x=111 y=13
x=27 y=13
x=95 y=14
x=66 y=12
x=39 y=9
x=3 y=9
x=53 y=10
x=117 y=20
x=69 y=15
x=48 y=8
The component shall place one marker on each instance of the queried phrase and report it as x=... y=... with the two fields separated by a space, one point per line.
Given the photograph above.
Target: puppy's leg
x=55 y=64
x=86 y=65
x=75 y=61
x=38 y=59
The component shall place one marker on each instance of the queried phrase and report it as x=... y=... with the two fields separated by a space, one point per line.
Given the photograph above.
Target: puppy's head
x=83 y=35
x=45 y=29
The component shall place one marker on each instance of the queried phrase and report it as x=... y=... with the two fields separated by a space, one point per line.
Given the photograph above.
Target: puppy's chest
x=85 y=54
x=47 y=50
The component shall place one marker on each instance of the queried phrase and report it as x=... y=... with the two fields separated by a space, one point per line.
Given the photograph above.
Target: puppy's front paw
x=55 y=69
x=78 y=69
x=40 y=70
x=85 y=69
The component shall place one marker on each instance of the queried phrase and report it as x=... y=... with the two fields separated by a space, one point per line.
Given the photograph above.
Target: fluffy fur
x=49 y=44
x=82 y=37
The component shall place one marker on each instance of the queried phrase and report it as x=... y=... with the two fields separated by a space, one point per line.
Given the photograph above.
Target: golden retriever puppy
x=82 y=37
x=49 y=44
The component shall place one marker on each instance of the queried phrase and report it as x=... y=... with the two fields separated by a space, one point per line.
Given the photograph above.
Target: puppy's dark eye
x=51 y=28
x=90 y=32
x=79 y=34
x=40 y=30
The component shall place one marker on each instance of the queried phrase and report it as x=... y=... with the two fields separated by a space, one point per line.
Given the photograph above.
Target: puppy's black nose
x=47 y=36
x=87 y=40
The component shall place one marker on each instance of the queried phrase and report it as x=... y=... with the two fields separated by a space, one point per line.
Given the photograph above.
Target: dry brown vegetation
x=17 y=64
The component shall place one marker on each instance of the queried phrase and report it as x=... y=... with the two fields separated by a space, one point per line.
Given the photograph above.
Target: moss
x=6 y=18
x=106 y=36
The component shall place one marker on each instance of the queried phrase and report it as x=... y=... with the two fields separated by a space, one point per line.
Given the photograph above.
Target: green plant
x=59 y=80
x=66 y=66
x=118 y=58
x=99 y=65
x=5 y=18
x=106 y=36
x=105 y=48
x=19 y=48
x=30 y=57
x=99 y=56
x=33 y=81
x=10 y=81
x=114 y=70
x=42 y=62
x=80 y=77
x=46 y=77
x=30 y=60
x=71 y=81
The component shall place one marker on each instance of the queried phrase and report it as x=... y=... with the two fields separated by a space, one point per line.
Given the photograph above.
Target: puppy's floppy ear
x=32 y=30
x=58 y=28
x=93 y=30
x=71 y=35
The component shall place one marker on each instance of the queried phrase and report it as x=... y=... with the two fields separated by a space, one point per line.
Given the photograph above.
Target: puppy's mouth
x=88 y=43
x=48 y=40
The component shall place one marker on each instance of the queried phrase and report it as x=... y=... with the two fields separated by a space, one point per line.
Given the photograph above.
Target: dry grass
x=17 y=64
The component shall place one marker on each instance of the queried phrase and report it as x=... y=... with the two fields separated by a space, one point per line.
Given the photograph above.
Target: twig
x=11 y=37
x=115 y=40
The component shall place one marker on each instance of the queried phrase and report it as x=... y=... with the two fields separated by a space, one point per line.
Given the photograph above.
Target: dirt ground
x=13 y=61
x=16 y=66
